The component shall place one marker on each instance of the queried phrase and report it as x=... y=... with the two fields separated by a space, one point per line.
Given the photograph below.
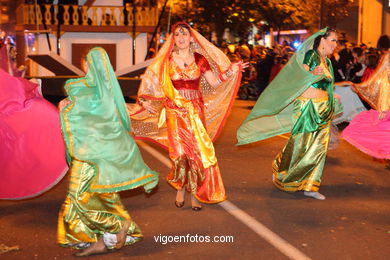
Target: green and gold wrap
x=281 y=109
x=85 y=216
x=102 y=155
x=299 y=165
x=272 y=113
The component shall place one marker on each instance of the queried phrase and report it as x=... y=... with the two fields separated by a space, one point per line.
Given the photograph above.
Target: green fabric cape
x=272 y=113
x=96 y=127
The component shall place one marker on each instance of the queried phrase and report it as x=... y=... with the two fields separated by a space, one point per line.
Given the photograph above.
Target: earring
x=193 y=46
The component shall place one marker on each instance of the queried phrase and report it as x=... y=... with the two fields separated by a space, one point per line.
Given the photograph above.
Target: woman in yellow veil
x=186 y=95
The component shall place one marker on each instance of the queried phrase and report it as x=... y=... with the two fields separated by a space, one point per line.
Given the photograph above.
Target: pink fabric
x=369 y=134
x=32 y=151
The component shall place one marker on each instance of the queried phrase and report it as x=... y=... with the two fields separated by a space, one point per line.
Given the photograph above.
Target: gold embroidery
x=82 y=80
x=324 y=64
x=67 y=126
x=100 y=186
x=189 y=73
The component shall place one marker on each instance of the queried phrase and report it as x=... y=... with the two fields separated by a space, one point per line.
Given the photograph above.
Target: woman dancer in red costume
x=186 y=95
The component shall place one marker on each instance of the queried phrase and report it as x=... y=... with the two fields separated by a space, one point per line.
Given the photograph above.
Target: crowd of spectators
x=351 y=62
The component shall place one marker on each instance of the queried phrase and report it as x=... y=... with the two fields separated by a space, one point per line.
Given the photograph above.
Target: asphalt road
x=352 y=223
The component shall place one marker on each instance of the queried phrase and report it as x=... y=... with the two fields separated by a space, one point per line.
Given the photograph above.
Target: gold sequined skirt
x=300 y=164
x=85 y=216
x=188 y=154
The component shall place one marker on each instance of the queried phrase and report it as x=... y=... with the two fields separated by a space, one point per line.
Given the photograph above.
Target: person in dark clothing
x=355 y=71
x=383 y=43
x=263 y=68
x=337 y=70
x=346 y=57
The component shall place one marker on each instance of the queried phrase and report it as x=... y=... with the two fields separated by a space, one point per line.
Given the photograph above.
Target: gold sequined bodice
x=191 y=72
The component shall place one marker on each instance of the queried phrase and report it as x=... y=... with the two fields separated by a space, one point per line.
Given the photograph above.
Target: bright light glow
x=291 y=32
x=296 y=44
x=267 y=40
x=231 y=48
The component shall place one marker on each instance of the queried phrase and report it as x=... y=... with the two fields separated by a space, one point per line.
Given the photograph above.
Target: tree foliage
x=213 y=15
x=335 y=11
x=293 y=14
x=216 y=15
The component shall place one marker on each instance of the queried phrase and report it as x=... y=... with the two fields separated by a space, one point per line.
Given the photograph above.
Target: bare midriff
x=314 y=93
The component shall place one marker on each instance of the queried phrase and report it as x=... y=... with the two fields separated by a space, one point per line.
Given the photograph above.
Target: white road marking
x=155 y=153
x=282 y=245
x=279 y=243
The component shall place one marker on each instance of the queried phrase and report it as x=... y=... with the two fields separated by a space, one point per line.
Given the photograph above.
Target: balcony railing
x=30 y=14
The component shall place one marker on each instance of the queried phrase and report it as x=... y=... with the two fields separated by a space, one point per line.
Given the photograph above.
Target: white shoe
x=314 y=194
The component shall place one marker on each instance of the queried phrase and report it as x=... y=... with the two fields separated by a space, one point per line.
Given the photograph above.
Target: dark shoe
x=179 y=204
x=196 y=208
x=180 y=197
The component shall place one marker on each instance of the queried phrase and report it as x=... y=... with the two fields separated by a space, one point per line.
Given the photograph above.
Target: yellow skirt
x=300 y=164
x=85 y=216
x=188 y=170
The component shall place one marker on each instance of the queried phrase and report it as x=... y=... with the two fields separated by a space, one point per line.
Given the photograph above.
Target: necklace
x=325 y=65
x=322 y=58
x=323 y=61
x=183 y=59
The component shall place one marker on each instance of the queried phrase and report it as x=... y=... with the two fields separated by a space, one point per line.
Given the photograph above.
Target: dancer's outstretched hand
x=317 y=70
x=240 y=66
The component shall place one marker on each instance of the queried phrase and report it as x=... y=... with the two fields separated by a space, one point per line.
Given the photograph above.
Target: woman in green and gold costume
x=103 y=159
x=299 y=100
